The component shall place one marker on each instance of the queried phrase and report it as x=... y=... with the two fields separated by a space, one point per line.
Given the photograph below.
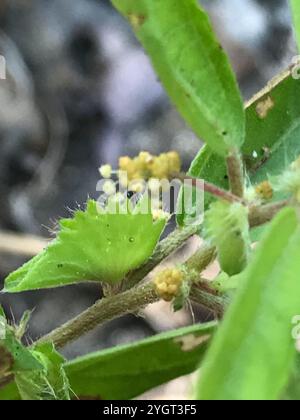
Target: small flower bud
x=145 y=158
x=168 y=283
x=105 y=171
x=264 y=190
x=174 y=162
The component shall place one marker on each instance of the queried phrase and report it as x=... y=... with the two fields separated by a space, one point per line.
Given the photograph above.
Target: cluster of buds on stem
x=168 y=283
x=146 y=166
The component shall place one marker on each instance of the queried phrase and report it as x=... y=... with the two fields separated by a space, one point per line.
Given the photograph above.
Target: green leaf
x=15 y=359
x=295 y=5
x=272 y=137
x=93 y=246
x=50 y=383
x=127 y=371
x=192 y=66
x=23 y=358
x=253 y=351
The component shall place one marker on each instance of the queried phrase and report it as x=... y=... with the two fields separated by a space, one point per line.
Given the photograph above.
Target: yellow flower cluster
x=146 y=166
x=264 y=190
x=168 y=283
x=137 y=173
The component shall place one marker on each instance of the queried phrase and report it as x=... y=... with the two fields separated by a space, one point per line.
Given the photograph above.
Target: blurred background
x=80 y=91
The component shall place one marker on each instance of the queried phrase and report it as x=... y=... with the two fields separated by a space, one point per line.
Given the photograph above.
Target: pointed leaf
x=192 y=66
x=272 y=136
x=253 y=351
x=127 y=371
x=93 y=246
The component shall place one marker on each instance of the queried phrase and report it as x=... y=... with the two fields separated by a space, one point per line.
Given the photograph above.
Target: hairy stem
x=216 y=303
x=201 y=259
x=235 y=172
x=139 y=296
x=222 y=194
x=121 y=304
x=102 y=311
x=260 y=215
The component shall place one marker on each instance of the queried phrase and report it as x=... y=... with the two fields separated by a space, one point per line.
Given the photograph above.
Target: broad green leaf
x=127 y=371
x=253 y=351
x=192 y=66
x=272 y=135
x=50 y=383
x=295 y=5
x=93 y=246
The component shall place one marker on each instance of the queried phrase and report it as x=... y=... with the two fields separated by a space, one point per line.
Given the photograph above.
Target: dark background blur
x=81 y=92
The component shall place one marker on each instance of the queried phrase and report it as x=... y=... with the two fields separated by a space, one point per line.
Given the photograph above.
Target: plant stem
x=201 y=259
x=102 y=311
x=138 y=297
x=118 y=305
x=220 y=193
x=260 y=215
x=216 y=303
x=235 y=172
x=132 y=300
x=210 y=188
x=113 y=307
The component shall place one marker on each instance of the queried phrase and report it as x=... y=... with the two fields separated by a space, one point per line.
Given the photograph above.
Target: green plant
x=252 y=187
